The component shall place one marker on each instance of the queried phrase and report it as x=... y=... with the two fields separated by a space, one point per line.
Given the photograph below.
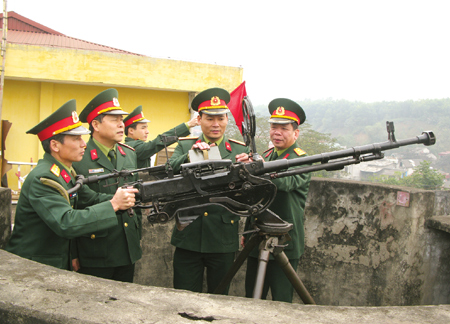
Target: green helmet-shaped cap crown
x=284 y=111
x=106 y=102
x=136 y=116
x=212 y=101
x=63 y=121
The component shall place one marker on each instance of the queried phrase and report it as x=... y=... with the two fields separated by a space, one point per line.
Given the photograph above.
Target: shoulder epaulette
x=271 y=148
x=299 y=151
x=127 y=146
x=236 y=141
x=187 y=138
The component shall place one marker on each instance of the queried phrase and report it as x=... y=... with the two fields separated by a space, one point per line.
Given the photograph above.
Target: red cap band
x=107 y=106
x=214 y=103
x=58 y=127
x=280 y=112
x=134 y=119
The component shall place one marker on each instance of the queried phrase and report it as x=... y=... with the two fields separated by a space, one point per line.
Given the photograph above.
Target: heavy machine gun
x=244 y=189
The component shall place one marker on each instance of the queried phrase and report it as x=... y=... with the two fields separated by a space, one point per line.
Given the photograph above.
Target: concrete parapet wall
x=35 y=293
x=5 y=216
x=365 y=246
x=362 y=248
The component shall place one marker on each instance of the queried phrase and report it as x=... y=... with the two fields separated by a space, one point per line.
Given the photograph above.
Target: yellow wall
x=27 y=103
x=39 y=80
x=99 y=68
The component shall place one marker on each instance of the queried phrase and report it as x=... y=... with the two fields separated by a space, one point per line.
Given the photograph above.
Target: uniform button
x=92 y=236
x=205 y=214
x=232 y=221
x=125 y=224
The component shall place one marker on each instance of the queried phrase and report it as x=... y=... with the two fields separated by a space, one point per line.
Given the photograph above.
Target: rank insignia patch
x=299 y=151
x=55 y=170
x=121 y=150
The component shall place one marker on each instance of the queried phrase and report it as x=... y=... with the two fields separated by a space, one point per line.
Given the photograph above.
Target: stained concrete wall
x=363 y=248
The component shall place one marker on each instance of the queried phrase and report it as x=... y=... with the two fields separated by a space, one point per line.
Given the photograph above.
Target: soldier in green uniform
x=212 y=239
x=136 y=131
x=109 y=253
x=46 y=216
x=289 y=203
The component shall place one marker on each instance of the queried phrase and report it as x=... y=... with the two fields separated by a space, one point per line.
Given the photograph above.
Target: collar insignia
x=228 y=146
x=94 y=155
x=121 y=150
x=65 y=176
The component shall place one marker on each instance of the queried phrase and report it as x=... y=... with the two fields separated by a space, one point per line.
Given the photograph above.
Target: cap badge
x=142 y=115
x=215 y=101
x=280 y=111
x=116 y=102
x=75 y=118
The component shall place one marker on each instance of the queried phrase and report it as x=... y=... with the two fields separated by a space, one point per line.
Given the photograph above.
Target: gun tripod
x=268 y=237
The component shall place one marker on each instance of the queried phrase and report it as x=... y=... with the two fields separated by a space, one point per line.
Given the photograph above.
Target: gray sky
x=355 y=50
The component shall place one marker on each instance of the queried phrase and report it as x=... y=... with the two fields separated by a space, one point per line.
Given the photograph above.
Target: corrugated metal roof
x=59 y=41
x=18 y=22
x=27 y=32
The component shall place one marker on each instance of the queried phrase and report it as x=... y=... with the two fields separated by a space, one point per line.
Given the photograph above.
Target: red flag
x=235 y=104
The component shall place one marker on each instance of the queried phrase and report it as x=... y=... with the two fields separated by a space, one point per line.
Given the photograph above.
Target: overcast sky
x=341 y=49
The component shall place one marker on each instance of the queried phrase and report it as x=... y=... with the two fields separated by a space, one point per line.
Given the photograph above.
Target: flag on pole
x=235 y=104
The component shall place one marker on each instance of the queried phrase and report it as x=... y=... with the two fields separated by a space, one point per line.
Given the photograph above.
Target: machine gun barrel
x=336 y=160
x=81 y=180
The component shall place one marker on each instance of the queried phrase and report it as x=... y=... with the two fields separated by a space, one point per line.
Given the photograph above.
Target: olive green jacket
x=216 y=229
x=145 y=150
x=289 y=202
x=116 y=246
x=45 y=221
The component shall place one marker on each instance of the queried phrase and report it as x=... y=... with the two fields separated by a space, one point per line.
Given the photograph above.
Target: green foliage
x=357 y=123
x=424 y=177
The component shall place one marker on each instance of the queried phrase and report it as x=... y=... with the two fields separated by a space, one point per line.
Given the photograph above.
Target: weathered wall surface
x=32 y=293
x=5 y=216
x=362 y=248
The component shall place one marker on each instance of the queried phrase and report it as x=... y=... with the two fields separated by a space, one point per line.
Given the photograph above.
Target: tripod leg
x=261 y=273
x=283 y=262
x=251 y=244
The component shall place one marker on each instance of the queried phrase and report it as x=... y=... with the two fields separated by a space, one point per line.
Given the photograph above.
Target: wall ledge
x=34 y=293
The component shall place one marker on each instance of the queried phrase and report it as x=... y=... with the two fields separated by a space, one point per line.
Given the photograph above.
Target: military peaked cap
x=284 y=111
x=106 y=102
x=63 y=121
x=212 y=101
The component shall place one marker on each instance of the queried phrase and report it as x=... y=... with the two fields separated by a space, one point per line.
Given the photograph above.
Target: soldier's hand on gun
x=243 y=157
x=202 y=146
x=124 y=198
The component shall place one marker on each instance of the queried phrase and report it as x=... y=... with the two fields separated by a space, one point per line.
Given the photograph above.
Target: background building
x=43 y=69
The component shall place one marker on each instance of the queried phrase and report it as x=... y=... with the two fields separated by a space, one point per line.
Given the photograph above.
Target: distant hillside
x=357 y=123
